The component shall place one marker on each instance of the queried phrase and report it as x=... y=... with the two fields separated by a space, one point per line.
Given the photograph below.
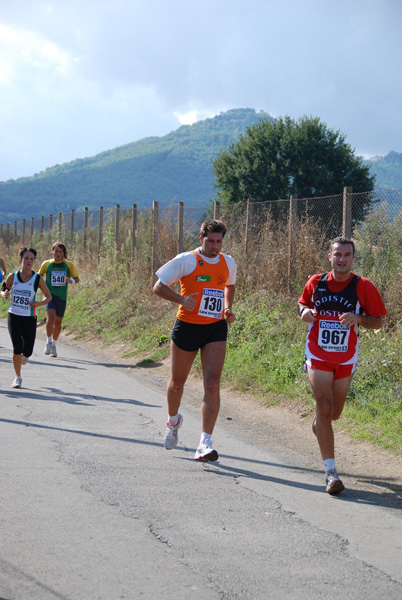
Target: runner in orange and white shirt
x=334 y=304
x=207 y=280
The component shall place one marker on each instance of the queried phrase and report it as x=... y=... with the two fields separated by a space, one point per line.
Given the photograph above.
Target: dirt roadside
x=286 y=429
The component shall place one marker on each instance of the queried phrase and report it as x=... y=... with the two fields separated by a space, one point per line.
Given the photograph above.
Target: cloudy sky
x=78 y=77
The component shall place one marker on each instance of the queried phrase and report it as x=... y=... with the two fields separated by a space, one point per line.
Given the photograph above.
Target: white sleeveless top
x=21 y=294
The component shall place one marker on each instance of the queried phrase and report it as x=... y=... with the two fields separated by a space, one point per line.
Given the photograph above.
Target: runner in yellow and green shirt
x=58 y=273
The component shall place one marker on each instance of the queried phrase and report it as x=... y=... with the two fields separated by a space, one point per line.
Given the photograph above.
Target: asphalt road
x=94 y=508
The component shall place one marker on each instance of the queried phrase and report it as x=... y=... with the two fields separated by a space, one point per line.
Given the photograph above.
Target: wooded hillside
x=175 y=167
x=168 y=169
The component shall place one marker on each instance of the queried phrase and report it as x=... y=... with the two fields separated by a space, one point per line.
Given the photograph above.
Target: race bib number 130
x=211 y=305
x=333 y=336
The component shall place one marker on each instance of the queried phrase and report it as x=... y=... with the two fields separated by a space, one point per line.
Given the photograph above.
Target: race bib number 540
x=211 y=304
x=333 y=336
x=58 y=278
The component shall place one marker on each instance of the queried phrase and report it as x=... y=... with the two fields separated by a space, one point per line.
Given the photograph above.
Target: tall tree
x=276 y=159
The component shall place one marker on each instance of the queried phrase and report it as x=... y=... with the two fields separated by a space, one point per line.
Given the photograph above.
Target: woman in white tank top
x=23 y=285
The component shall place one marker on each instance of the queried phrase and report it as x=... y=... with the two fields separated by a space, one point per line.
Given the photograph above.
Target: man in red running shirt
x=334 y=304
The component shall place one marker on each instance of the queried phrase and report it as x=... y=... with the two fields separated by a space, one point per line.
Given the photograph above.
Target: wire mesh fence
x=277 y=243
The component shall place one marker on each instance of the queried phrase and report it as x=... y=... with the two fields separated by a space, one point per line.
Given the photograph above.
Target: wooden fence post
x=347 y=212
x=100 y=231
x=50 y=223
x=217 y=210
x=72 y=227
x=59 y=225
x=85 y=232
x=249 y=224
x=15 y=232
x=133 y=232
x=8 y=236
x=117 y=227
x=180 y=226
x=154 y=240
x=292 y=224
x=42 y=226
x=31 y=233
x=23 y=232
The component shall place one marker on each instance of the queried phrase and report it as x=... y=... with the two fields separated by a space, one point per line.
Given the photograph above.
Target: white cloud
x=78 y=78
x=22 y=49
x=188 y=118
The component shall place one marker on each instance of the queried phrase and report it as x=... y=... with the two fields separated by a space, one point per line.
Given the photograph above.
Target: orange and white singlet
x=209 y=281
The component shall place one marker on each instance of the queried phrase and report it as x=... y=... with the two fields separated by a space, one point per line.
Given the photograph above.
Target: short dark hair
x=23 y=249
x=342 y=240
x=62 y=246
x=212 y=226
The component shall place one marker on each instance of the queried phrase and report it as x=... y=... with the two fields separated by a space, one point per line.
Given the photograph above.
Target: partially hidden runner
x=58 y=272
x=3 y=270
x=22 y=312
x=207 y=279
x=334 y=304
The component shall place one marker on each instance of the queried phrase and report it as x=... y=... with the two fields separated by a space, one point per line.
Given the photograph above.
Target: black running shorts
x=58 y=305
x=190 y=337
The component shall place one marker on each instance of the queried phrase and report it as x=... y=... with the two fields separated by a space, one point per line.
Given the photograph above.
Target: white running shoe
x=48 y=348
x=53 y=351
x=171 y=434
x=24 y=359
x=17 y=382
x=205 y=453
x=334 y=484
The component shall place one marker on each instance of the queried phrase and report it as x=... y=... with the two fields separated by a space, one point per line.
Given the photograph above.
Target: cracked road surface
x=94 y=508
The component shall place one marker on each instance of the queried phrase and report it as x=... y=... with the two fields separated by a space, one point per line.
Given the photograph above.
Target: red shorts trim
x=339 y=371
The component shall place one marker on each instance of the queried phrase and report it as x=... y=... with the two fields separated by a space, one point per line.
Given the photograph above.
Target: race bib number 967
x=211 y=305
x=333 y=336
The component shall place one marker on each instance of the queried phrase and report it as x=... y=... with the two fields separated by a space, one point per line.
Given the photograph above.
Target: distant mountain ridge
x=387 y=169
x=177 y=166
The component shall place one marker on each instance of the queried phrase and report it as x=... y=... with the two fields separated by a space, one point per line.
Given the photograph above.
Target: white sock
x=50 y=340
x=329 y=464
x=205 y=438
x=173 y=420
